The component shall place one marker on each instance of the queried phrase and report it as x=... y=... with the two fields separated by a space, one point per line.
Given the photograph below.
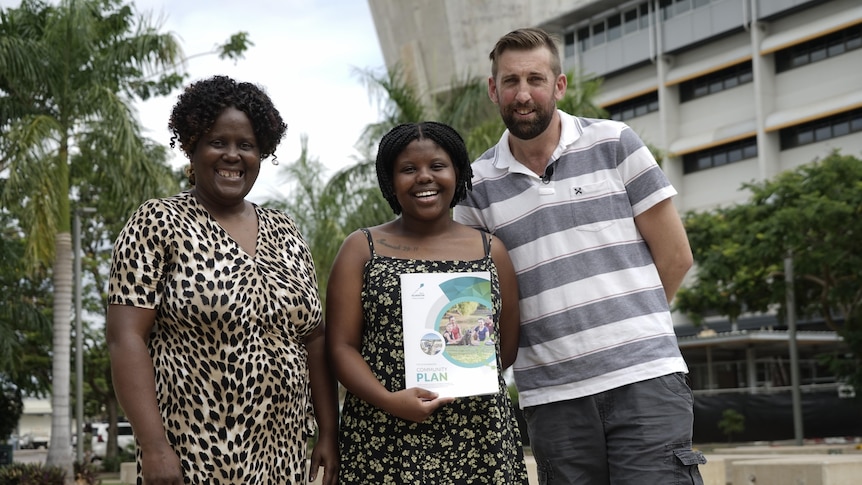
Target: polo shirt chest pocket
x=594 y=205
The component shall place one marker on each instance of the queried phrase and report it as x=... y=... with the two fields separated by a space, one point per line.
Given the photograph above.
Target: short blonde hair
x=527 y=39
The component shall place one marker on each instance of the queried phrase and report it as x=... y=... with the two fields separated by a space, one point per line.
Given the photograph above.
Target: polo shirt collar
x=504 y=160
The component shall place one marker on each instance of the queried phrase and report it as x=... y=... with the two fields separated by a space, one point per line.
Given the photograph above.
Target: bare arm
x=325 y=399
x=510 y=316
x=128 y=330
x=344 y=323
x=664 y=233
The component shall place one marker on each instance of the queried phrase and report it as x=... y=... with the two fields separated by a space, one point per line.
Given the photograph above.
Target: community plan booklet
x=439 y=357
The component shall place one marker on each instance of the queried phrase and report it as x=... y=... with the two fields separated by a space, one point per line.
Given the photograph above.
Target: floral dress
x=474 y=440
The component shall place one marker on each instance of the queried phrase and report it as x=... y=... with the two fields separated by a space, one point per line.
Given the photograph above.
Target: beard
x=527 y=130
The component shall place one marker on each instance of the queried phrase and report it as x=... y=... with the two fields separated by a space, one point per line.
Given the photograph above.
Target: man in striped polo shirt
x=600 y=251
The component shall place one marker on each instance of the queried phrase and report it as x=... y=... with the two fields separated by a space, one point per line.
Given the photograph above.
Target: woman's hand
x=325 y=454
x=415 y=404
x=161 y=466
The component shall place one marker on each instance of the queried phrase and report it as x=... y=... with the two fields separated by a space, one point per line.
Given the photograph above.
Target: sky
x=305 y=55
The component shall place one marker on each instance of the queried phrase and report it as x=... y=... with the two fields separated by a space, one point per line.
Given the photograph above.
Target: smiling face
x=526 y=91
x=424 y=180
x=226 y=160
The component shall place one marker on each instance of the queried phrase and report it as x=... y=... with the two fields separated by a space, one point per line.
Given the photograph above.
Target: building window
x=583 y=39
x=716 y=82
x=672 y=8
x=818 y=49
x=643 y=16
x=569 y=45
x=681 y=6
x=632 y=108
x=665 y=7
x=629 y=21
x=718 y=156
x=598 y=33
x=615 y=30
x=822 y=129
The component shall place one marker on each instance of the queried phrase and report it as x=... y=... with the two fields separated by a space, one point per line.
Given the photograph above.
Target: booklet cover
x=449 y=332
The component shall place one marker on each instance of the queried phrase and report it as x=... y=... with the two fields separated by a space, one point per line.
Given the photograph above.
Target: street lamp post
x=790 y=294
x=79 y=337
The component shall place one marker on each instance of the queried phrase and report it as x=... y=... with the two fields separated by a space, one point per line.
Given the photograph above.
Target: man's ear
x=492 y=90
x=560 y=86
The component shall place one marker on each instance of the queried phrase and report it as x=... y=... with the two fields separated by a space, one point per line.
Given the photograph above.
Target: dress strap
x=486 y=240
x=370 y=241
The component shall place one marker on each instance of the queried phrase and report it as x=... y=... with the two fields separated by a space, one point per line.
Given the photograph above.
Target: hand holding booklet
x=449 y=345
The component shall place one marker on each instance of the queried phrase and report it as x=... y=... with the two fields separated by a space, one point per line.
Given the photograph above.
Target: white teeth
x=426 y=193
x=229 y=174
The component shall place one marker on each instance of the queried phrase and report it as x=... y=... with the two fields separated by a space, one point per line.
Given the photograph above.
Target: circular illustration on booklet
x=431 y=343
x=468 y=332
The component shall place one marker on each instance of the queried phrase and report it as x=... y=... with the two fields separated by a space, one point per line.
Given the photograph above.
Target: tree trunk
x=112 y=446
x=60 y=450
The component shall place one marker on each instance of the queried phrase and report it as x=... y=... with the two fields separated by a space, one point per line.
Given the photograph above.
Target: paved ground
x=38 y=456
x=531 y=472
x=29 y=456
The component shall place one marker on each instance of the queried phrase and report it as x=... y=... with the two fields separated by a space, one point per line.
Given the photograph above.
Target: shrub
x=86 y=473
x=31 y=474
x=731 y=422
x=113 y=464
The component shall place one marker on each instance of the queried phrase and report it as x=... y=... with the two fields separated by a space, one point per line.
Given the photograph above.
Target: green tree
x=68 y=74
x=24 y=326
x=398 y=102
x=11 y=408
x=92 y=184
x=326 y=212
x=812 y=213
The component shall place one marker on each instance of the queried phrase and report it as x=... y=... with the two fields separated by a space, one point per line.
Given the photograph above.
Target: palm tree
x=22 y=324
x=68 y=74
x=398 y=103
x=326 y=212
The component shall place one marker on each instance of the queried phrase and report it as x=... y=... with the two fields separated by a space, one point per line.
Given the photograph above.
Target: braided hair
x=396 y=140
x=203 y=101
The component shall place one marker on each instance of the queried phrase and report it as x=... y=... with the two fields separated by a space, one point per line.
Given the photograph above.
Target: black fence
x=769 y=416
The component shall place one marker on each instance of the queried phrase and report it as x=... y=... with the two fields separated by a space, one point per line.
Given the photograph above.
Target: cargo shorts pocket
x=686 y=464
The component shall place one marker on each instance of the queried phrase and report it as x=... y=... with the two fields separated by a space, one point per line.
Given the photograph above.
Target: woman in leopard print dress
x=214 y=323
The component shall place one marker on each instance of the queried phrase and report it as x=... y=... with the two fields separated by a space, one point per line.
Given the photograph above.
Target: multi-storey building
x=730 y=90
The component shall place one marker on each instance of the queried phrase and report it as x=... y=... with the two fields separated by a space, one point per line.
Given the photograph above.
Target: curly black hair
x=203 y=101
x=397 y=139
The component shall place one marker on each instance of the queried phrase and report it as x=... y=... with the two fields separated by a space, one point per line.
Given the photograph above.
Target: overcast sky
x=305 y=55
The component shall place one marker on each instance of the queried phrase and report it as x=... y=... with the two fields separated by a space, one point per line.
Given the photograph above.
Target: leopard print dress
x=474 y=440
x=228 y=342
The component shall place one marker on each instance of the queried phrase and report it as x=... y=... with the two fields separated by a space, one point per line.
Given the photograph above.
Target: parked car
x=18 y=442
x=22 y=442
x=40 y=442
x=30 y=441
x=125 y=437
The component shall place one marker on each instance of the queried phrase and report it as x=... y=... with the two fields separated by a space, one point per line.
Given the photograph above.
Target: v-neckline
x=227 y=234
